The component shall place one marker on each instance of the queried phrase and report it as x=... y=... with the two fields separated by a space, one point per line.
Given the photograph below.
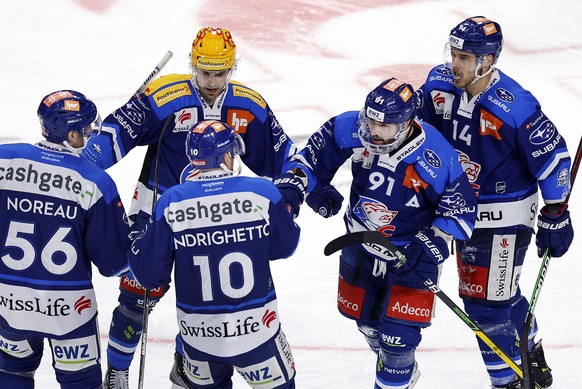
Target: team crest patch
x=375 y=215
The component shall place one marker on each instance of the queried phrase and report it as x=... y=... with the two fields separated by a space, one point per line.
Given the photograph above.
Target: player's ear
x=488 y=61
x=228 y=160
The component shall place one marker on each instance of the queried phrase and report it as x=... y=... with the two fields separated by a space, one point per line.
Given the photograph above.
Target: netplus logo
x=391 y=370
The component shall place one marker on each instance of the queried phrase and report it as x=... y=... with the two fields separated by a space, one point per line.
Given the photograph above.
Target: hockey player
x=407 y=183
x=56 y=210
x=219 y=231
x=508 y=147
x=183 y=100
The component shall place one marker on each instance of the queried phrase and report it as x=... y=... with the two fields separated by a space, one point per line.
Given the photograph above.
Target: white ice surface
x=311 y=60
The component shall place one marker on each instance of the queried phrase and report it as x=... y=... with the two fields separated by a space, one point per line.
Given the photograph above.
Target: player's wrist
x=554 y=211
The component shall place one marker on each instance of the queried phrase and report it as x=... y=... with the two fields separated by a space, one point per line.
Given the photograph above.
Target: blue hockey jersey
x=219 y=236
x=173 y=97
x=418 y=185
x=56 y=212
x=506 y=144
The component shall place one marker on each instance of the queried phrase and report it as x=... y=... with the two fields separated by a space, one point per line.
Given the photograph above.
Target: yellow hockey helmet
x=213 y=49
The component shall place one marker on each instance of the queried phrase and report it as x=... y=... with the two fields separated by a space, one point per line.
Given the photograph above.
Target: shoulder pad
x=440 y=75
x=168 y=88
x=345 y=127
x=509 y=101
x=240 y=90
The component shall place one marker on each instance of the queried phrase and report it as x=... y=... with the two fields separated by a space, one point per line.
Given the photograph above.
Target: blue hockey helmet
x=478 y=35
x=207 y=142
x=67 y=110
x=391 y=102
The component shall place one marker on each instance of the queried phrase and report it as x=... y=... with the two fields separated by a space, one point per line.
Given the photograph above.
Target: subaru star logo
x=432 y=158
x=504 y=95
x=543 y=133
x=444 y=70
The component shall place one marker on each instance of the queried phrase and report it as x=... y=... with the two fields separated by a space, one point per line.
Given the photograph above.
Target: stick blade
x=355 y=238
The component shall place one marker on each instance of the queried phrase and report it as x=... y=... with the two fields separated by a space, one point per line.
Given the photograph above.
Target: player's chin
x=459 y=82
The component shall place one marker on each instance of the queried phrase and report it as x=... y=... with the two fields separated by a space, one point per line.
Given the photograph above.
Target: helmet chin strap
x=480 y=67
x=76 y=150
x=236 y=166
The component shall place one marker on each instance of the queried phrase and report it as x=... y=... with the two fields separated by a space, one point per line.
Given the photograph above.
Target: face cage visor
x=391 y=142
x=194 y=71
x=92 y=130
x=448 y=62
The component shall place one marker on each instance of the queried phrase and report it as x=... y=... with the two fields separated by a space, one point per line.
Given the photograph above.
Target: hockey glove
x=327 y=201
x=554 y=230
x=424 y=253
x=292 y=187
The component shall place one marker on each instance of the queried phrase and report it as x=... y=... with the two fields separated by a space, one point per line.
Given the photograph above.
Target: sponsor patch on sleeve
x=166 y=95
x=250 y=94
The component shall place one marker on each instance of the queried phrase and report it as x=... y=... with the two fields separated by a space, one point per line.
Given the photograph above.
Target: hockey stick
x=528 y=379
x=146 y=310
x=375 y=237
x=154 y=72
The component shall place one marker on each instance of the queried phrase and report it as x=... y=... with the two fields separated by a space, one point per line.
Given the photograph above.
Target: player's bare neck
x=478 y=87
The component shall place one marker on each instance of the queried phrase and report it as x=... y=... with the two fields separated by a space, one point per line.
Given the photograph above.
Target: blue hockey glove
x=292 y=187
x=327 y=201
x=554 y=230
x=424 y=253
